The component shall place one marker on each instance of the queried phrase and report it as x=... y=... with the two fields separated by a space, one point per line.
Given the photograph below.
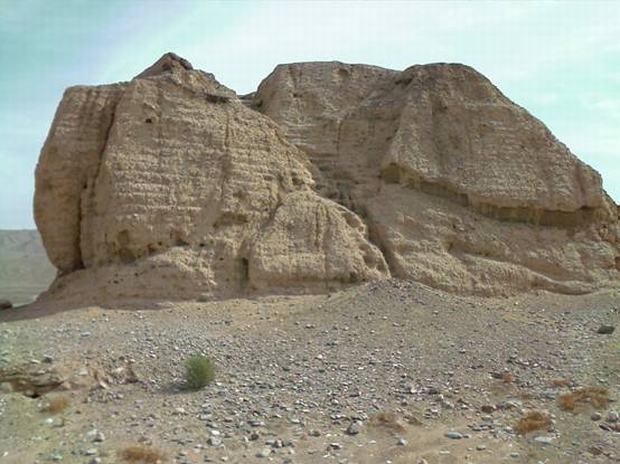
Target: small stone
x=454 y=435
x=596 y=416
x=214 y=441
x=510 y=404
x=96 y=436
x=90 y=452
x=335 y=446
x=401 y=442
x=5 y=304
x=606 y=329
x=488 y=408
x=254 y=436
x=544 y=440
x=607 y=427
x=481 y=447
x=613 y=416
x=595 y=450
x=354 y=428
x=264 y=453
x=314 y=433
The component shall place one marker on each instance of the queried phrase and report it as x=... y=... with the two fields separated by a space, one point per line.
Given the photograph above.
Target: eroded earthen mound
x=461 y=188
x=169 y=186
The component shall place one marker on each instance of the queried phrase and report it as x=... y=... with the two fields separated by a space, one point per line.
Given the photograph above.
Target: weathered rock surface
x=461 y=188
x=169 y=187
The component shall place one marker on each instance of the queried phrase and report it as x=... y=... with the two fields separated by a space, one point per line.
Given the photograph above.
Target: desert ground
x=387 y=372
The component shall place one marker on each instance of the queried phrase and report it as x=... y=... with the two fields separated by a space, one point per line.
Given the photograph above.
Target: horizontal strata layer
x=530 y=215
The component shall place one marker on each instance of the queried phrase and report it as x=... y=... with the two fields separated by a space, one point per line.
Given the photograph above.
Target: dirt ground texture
x=387 y=372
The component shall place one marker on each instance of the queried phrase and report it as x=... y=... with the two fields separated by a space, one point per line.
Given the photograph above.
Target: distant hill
x=25 y=270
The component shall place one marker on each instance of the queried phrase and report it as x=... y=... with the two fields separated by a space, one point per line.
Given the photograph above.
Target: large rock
x=461 y=188
x=170 y=186
x=167 y=186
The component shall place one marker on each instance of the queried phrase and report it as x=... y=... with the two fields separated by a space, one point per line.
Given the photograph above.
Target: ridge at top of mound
x=168 y=62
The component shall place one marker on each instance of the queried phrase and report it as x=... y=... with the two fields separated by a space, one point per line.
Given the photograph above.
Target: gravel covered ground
x=386 y=372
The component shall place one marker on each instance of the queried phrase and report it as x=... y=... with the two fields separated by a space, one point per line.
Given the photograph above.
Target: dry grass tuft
x=598 y=397
x=387 y=420
x=140 y=454
x=559 y=383
x=56 y=404
x=199 y=372
x=533 y=420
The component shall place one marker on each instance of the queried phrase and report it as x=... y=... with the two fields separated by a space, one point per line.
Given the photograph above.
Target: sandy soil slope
x=406 y=364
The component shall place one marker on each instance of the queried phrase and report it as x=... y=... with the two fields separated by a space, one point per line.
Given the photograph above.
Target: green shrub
x=199 y=372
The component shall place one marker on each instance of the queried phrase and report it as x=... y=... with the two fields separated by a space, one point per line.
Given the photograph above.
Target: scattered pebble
x=354 y=428
x=544 y=440
x=606 y=329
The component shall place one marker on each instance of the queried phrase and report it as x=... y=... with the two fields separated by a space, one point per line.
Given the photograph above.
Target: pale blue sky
x=560 y=60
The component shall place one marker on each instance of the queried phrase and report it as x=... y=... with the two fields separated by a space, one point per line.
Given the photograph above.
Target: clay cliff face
x=169 y=186
x=461 y=188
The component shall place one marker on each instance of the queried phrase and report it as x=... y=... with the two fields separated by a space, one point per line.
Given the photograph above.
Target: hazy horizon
x=559 y=60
